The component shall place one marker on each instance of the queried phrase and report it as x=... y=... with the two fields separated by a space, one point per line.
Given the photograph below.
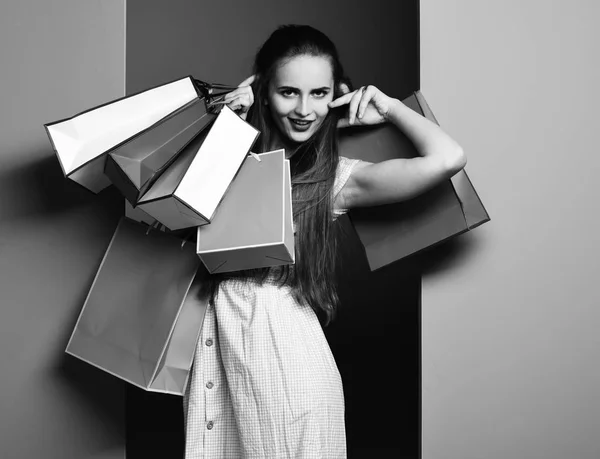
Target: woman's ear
x=344 y=86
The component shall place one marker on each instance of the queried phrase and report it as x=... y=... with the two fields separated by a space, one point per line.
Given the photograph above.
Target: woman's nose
x=302 y=107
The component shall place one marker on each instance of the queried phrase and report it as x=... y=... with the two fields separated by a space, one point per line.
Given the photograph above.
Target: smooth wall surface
x=510 y=320
x=376 y=334
x=58 y=58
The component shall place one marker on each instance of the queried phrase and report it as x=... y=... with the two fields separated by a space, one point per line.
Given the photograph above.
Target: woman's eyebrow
x=322 y=88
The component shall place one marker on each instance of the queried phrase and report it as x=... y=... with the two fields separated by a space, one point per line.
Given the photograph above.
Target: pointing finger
x=342 y=100
x=248 y=81
x=241 y=90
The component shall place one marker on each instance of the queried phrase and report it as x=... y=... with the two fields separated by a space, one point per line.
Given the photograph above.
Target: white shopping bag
x=82 y=141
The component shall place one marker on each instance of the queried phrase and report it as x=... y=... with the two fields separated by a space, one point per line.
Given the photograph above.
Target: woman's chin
x=300 y=137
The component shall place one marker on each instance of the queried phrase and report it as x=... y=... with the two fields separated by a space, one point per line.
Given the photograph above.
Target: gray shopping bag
x=253 y=226
x=143 y=314
x=392 y=232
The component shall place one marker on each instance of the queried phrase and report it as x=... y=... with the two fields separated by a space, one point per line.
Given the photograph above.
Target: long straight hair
x=313 y=168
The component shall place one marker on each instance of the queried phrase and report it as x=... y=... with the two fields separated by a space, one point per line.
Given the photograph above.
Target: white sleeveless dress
x=264 y=383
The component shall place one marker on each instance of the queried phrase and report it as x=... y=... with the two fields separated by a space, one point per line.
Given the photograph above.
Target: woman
x=264 y=382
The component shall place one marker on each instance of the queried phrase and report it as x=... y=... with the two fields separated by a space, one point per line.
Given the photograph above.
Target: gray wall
x=511 y=347
x=57 y=59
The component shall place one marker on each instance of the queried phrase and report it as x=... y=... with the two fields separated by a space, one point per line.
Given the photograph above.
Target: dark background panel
x=376 y=336
x=376 y=342
x=217 y=41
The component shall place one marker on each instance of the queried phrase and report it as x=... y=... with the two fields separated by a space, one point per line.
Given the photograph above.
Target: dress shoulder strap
x=344 y=170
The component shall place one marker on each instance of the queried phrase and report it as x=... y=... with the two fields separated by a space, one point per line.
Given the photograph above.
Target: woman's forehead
x=304 y=72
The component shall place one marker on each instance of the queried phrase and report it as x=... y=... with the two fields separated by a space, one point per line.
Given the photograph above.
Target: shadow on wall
x=444 y=256
x=56 y=232
x=92 y=389
x=39 y=188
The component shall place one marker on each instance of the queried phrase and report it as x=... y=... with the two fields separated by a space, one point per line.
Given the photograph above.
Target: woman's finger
x=248 y=81
x=342 y=100
x=367 y=95
x=353 y=107
x=251 y=96
x=231 y=103
x=245 y=90
x=240 y=105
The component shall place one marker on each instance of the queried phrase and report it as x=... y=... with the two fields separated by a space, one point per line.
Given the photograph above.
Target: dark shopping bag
x=82 y=142
x=394 y=231
x=253 y=226
x=143 y=314
x=188 y=192
x=132 y=166
x=140 y=216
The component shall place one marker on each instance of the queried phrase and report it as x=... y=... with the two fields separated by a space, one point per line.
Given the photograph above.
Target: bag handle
x=156 y=225
x=212 y=91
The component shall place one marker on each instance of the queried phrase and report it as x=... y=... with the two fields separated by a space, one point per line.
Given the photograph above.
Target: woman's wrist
x=396 y=111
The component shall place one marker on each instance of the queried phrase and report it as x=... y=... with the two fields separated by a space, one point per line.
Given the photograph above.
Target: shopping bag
x=138 y=215
x=252 y=228
x=188 y=192
x=82 y=142
x=394 y=231
x=133 y=165
x=143 y=314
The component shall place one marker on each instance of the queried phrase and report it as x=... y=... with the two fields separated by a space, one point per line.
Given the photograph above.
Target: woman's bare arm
x=440 y=156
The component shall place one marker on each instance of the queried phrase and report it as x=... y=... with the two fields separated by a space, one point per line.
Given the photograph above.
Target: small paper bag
x=394 y=231
x=188 y=192
x=133 y=165
x=143 y=314
x=252 y=227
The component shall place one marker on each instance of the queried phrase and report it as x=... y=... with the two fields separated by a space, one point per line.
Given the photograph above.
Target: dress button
x=209 y=426
x=209 y=342
x=209 y=385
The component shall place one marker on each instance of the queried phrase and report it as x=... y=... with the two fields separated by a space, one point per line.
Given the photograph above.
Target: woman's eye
x=320 y=94
x=288 y=93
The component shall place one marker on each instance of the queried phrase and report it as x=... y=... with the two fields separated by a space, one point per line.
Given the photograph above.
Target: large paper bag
x=394 y=231
x=252 y=227
x=188 y=192
x=143 y=314
x=82 y=141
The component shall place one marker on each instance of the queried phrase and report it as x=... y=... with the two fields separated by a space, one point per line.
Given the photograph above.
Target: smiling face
x=298 y=96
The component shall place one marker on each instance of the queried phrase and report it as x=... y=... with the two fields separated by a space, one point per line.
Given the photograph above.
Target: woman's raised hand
x=367 y=105
x=241 y=99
